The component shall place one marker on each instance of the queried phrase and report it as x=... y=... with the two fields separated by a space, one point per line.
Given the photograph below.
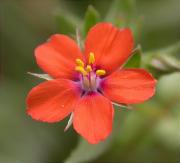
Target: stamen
x=89 y=76
x=88 y=68
x=100 y=72
x=81 y=70
x=79 y=62
x=91 y=58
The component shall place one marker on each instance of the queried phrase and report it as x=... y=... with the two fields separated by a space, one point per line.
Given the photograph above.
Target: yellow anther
x=91 y=58
x=100 y=72
x=81 y=70
x=88 y=68
x=79 y=62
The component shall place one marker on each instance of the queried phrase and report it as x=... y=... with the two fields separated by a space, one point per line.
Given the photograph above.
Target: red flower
x=85 y=85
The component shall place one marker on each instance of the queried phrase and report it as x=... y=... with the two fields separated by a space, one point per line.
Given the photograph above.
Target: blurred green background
x=150 y=133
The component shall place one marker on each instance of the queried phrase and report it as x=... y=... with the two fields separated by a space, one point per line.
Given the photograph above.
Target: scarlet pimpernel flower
x=86 y=83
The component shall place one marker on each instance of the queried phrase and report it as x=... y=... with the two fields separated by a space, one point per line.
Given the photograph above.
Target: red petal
x=93 y=117
x=52 y=100
x=110 y=45
x=57 y=56
x=129 y=86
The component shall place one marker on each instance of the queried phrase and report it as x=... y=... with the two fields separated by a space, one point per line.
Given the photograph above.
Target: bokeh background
x=149 y=133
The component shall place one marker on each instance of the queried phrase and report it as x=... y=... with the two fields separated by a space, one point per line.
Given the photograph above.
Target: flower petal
x=129 y=86
x=93 y=117
x=57 y=56
x=110 y=45
x=53 y=100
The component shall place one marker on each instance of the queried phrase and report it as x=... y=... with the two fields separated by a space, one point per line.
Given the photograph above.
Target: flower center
x=90 y=76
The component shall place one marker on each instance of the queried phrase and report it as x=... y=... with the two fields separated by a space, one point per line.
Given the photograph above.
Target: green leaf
x=123 y=13
x=41 y=76
x=91 y=18
x=135 y=60
x=65 y=24
x=163 y=61
x=86 y=152
x=131 y=133
x=123 y=9
x=167 y=130
x=79 y=39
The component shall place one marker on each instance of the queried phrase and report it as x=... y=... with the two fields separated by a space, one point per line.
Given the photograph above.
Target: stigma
x=89 y=74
